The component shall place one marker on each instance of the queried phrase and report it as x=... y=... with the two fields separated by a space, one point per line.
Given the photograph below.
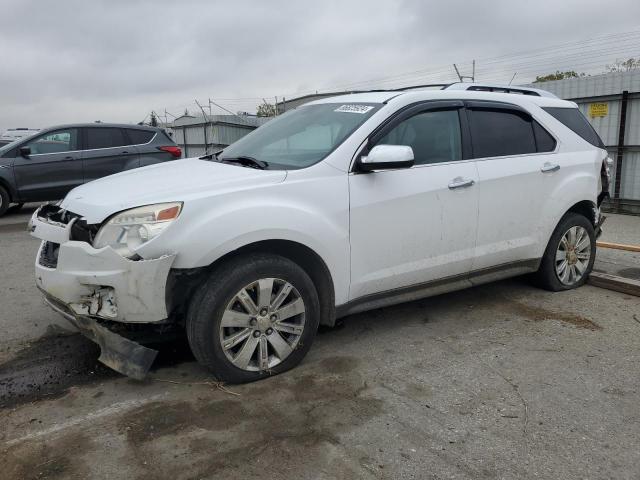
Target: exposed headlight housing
x=128 y=230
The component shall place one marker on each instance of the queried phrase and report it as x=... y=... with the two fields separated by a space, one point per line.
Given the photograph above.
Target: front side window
x=497 y=133
x=104 y=137
x=434 y=136
x=303 y=136
x=58 y=141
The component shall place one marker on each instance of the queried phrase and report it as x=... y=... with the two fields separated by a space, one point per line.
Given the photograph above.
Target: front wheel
x=257 y=315
x=4 y=200
x=570 y=254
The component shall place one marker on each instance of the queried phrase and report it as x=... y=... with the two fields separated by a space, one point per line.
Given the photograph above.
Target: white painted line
x=103 y=412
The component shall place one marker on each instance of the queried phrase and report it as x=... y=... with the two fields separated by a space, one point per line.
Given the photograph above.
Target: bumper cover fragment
x=117 y=352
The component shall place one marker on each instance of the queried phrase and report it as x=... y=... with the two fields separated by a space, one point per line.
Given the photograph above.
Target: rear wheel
x=256 y=316
x=570 y=254
x=4 y=200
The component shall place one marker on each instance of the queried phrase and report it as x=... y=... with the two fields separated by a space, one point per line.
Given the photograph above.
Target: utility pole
x=462 y=77
x=457 y=72
x=204 y=127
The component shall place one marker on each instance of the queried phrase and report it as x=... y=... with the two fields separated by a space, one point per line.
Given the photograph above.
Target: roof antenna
x=514 y=76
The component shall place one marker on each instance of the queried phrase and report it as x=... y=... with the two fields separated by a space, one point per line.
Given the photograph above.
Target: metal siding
x=178 y=136
x=196 y=151
x=607 y=126
x=632 y=135
x=592 y=86
x=630 y=185
x=227 y=134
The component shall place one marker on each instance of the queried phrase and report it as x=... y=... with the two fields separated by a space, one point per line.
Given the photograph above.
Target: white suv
x=342 y=205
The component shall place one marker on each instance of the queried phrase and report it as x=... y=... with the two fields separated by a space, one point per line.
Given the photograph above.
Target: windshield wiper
x=246 y=161
x=211 y=156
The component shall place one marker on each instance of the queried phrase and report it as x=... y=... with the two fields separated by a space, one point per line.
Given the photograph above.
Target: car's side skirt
x=437 y=287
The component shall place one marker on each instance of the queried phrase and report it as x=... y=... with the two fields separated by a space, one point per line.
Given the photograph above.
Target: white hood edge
x=175 y=181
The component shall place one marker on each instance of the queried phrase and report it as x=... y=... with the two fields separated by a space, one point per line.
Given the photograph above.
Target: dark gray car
x=47 y=165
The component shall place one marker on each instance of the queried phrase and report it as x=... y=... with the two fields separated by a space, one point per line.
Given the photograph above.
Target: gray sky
x=68 y=61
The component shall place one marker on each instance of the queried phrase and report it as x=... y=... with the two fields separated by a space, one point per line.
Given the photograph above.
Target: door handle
x=548 y=167
x=69 y=157
x=460 y=182
x=124 y=152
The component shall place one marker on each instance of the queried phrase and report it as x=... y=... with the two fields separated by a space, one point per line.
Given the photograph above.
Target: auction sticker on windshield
x=354 y=108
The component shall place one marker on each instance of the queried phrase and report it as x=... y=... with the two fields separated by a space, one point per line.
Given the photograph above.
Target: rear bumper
x=119 y=353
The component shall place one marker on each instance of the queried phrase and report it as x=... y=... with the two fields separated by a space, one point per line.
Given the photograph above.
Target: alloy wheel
x=262 y=324
x=573 y=255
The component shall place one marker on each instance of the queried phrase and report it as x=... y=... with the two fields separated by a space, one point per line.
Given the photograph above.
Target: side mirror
x=25 y=151
x=387 y=157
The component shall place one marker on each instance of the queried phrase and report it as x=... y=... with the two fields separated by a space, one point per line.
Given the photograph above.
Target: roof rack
x=487 y=87
x=428 y=85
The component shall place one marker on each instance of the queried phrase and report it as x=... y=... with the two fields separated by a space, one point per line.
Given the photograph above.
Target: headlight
x=126 y=231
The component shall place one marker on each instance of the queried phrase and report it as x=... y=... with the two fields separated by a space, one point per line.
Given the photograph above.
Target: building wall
x=220 y=131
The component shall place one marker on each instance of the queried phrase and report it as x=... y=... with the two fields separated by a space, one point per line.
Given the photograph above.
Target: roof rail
x=442 y=86
x=487 y=87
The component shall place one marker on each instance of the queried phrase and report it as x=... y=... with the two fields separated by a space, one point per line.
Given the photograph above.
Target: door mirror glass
x=25 y=151
x=385 y=157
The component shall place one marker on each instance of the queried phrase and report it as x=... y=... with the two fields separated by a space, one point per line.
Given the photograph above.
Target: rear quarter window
x=138 y=137
x=573 y=119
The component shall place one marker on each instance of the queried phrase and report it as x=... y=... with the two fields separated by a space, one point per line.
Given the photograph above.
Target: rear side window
x=139 y=137
x=544 y=141
x=572 y=118
x=497 y=133
x=104 y=138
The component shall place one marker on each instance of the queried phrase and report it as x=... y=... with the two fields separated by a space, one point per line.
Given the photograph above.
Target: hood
x=175 y=181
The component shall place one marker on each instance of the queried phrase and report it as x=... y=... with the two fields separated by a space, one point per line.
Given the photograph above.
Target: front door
x=52 y=168
x=412 y=226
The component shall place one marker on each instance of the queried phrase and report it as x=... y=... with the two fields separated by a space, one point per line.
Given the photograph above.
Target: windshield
x=301 y=137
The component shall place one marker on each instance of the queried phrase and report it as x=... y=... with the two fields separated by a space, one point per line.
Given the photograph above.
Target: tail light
x=176 y=152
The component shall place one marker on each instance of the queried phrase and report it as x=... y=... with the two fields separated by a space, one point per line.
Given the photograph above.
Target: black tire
x=206 y=308
x=546 y=277
x=16 y=207
x=5 y=201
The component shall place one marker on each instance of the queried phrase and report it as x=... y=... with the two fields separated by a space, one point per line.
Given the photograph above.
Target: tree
x=624 y=65
x=558 y=76
x=154 y=121
x=266 y=110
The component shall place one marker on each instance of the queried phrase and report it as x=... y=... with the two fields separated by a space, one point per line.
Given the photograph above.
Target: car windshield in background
x=303 y=136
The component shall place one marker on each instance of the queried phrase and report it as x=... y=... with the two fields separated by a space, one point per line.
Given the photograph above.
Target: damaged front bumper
x=117 y=352
x=89 y=286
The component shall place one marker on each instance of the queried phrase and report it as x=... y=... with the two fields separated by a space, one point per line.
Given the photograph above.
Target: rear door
x=146 y=143
x=52 y=169
x=517 y=172
x=415 y=225
x=107 y=151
